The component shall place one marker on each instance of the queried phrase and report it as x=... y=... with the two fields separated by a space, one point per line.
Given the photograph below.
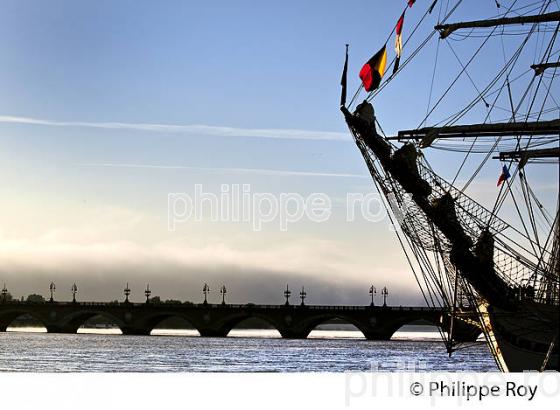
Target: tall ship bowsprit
x=471 y=242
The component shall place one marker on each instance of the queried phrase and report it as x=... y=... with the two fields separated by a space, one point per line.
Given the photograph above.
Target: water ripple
x=40 y=352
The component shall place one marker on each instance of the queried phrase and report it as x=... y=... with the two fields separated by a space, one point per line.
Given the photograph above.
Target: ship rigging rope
x=447 y=120
x=513 y=60
x=545 y=213
x=432 y=280
x=376 y=178
x=442 y=283
x=510 y=64
x=541 y=260
x=485 y=104
x=411 y=265
x=479 y=97
x=461 y=113
x=424 y=264
x=467 y=74
x=529 y=205
x=359 y=90
x=500 y=199
x=524 y=184
x=517 y=11
x=530 y=210
x=372 y=94
x=476 y=139
x=484 y=144
x=434 y=284
x=464 y=68
x=452 y=119
x=435 y=64
x=511 y=263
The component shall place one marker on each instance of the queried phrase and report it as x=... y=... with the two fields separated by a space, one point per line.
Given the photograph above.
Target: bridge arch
x=148 y=323
x=341 y=328
x=425 y=323
x=73 y=321
x=7 y=317
x=463 y=331
x=232 y=322
x=171 y=322
x=386 y=328
x=309 y=325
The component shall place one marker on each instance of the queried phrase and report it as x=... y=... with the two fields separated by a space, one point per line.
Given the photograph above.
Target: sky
x=107 y=107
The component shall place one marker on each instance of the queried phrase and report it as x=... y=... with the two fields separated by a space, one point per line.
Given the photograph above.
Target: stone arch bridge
x=216 y=320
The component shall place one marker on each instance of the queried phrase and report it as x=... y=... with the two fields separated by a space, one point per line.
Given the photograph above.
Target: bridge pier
x=60 y=329
x=213 y=332
x=135 y=331
x=377 y=335
x=294 y=334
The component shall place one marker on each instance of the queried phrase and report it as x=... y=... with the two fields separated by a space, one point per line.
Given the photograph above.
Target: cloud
x=259 y=171
x=191 y=130
x=177 y=269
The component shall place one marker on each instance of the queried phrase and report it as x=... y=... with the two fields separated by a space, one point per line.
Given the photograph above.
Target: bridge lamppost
x=4 y=293
x=206 y=291
x=372 y=292
x=385 y=293
x=126 y=293
x=287 y=294
x=74 y=291
x=147 y=292
x=302 y=295
x=52 y=288
x=223 y=292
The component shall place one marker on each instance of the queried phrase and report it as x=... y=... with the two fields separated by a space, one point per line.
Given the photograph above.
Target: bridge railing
x=163 y=305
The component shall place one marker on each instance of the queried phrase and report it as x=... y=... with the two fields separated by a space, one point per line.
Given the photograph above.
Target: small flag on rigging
x=411 y=3
x=372 y=71
x=505 y=175
x=398 y=42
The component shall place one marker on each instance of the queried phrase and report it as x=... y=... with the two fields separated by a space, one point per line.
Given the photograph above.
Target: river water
x=101 y=350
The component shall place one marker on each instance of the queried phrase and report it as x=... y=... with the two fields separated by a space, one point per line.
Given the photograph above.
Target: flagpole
x=343 y=80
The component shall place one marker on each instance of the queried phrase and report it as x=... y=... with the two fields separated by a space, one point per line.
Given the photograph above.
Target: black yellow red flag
x=372 y=71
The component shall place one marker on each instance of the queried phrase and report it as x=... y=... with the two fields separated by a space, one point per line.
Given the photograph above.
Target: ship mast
x=446 y=29
x=428 y=134
x=523 y=155
x=539 y=68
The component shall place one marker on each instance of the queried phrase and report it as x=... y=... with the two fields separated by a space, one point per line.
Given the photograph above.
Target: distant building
x=34 y=298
